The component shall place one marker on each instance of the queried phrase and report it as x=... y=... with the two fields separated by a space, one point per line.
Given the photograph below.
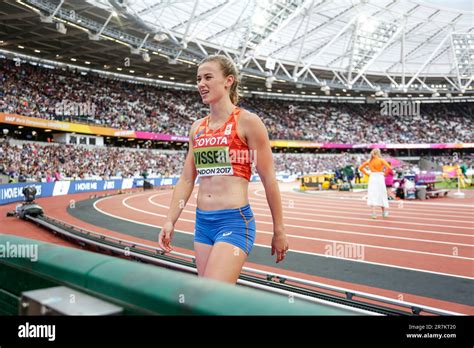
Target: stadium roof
x=391 y=46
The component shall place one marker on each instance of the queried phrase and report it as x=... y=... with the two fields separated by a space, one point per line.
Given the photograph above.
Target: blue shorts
x=233 y=226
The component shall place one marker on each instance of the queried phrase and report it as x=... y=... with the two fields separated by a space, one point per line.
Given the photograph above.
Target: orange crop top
x=221 y=151
x=376 y=165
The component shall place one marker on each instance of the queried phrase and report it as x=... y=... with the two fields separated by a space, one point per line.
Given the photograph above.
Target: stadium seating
x=40 y=92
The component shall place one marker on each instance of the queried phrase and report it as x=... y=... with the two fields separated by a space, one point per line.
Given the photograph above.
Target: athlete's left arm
x=258 y=142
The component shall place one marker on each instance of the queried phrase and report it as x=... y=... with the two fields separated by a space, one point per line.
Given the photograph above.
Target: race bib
x=211 y=161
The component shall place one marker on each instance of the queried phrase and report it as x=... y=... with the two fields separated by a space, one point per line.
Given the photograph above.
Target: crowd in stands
x=298 y=164
x=61 y=94
x=363 y=123
x=45 y=162
x=451 y=160
x=45 y=93
x=28 y=161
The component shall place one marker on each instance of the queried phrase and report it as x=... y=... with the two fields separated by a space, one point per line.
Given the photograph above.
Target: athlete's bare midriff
x=222 y=192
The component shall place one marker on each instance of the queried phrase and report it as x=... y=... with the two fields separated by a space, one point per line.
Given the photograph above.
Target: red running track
x=407 y=239
x=435 y=236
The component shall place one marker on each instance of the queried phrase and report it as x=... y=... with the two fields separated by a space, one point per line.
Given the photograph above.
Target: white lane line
x=130 y=220
x=292 y=250
x=314 y=213
x=352 y=232
x=363 y=208
x=407 y=204
x=393 y=213
x=427 y=204
x=349 y=224
x=256 y=201
x=326 y=240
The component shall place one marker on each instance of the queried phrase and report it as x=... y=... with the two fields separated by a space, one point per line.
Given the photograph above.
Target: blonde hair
x=374 y=153
x=228 y=68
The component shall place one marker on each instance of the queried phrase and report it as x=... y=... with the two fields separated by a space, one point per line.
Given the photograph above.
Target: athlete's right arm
x=181 y=194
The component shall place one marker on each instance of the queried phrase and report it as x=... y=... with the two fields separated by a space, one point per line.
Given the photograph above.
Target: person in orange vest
x=377 y=191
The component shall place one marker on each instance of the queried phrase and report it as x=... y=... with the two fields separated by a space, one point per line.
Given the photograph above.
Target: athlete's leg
x=225 y=262
x=202 y=252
